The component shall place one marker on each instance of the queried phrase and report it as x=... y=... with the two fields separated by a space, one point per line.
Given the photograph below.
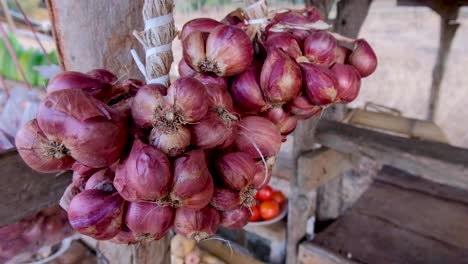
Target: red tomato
x=255 y=214
x=269 y=210
x=265 y=193
x=279 y=198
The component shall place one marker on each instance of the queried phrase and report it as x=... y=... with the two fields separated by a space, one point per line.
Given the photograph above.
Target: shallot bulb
x=101 y=180
x=39 y=152
x=198 y=24
x=206 y=79
x=258 y=137
x=320 y=48
x=349 y=82
x=280 y=78
x=171 y=140
x=227 y=51
x=263 y=172
x=302 y=108
x=86 y=129
x=103 y=75
x=246 y=92
x=192 y=186
x=286 y=42
x=185 y=70
x=70 y=192
x=148 y=221
x=320 y=83
x=125 y=236
x=363 y=58
x=96 y=213
x=225 y=199
x=341 y=54
x=145 y=175
x=285 y=122
x=197 y=224
x=236 y=218
x=149 y=105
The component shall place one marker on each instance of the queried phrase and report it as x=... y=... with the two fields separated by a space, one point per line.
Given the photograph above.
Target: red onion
x=196 y=224
x=148 y=221
x=225 y=199
x=101 y=180
x=209 y=79
x=263 y=175
x=302 y=108
x=70 y=192
x=198 y=24
x=83 y=170
x=96 y=213
x=79 y=181
x=319 y=48
x=363 y=58
x=125 y=236
x=301 y=35
x=98 y=88
x=292 y=17
x=226 y=52
x=145 y=175
x=286 y=123
x=257 y=134
x=320 y=83
x=349 y=82
x=172 y=141
x=192 y=186
x=40 y=152
x=103 y=75
x=186 y=95
x=185 y=70
x=149 y=105
x=286 y=42
x=236 y=218
x=246 y=92
x=341 y=54
x=281 y=78
x=215 y=130
x=90 y=131
x=236 y=169
x=237 y=17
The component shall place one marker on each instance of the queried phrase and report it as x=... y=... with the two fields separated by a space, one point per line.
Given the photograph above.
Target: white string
x=254 y=5
x=161 y=80
x=159 y=49
x=138 y=62
x=158 y=21
x=258 y=21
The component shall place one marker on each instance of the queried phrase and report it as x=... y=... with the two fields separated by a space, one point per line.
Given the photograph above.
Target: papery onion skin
x=285 y=122
x=191 y=176
x=363 y=58
x=125 y=236
x=94 y=133
x=102 y=75
x=261 y=177
x=320 y=48
x=219 y=98
x=99 y=89
x=229 y=50
x=302 y=108
x=186 y=95
x=171 y=141
x=96 y=214
x=70 y=192
x=148 y=221
x=198 y=200
x=185 y=70
x=198 y=24
x=39 y=152
x=260 y=132
x=341 y=54
x=246 y=92
x=149 y=105
x=320 y=83
x=225 y=199
x=349 y=82
x=145 y=175
x=286 y=42
x=236 y=169
x=206 y=80
x=194 y=52
x=213 y=132
x=281 y=78
x=101 y=180
x=79 y=181
x=197 y=224
x=236 y=218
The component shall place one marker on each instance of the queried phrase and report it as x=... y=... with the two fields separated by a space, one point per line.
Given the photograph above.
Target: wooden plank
x=312 y=254
x=350 y=16
x=227 y=254
x=24 y=191
x=104 y=38
x=430 y=2
x=370 y=240
x=438 y=162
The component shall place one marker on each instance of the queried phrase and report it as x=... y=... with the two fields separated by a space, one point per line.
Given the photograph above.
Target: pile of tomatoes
x=269 y=205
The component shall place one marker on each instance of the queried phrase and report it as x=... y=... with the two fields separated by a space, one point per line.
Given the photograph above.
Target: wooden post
x=6 y=10
x=98 y=34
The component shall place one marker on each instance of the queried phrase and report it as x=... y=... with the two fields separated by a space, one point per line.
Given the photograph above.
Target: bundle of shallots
x=191 y=156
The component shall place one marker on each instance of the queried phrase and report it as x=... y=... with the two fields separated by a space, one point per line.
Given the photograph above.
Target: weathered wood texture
x=350 y=16
x=24 y=191
x=391 y=223
x=312 y=254
x=435 y=161
x=97 y=34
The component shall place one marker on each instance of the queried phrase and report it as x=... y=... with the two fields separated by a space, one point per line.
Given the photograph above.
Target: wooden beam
x=24 y=191
x=350 y=16
x=312 y=254
x=438 y=162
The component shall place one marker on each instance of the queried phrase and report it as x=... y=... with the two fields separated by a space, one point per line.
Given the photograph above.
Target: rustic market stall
x=156 y=152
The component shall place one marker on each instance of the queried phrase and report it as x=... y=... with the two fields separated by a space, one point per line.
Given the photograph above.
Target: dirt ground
x=405 y=40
